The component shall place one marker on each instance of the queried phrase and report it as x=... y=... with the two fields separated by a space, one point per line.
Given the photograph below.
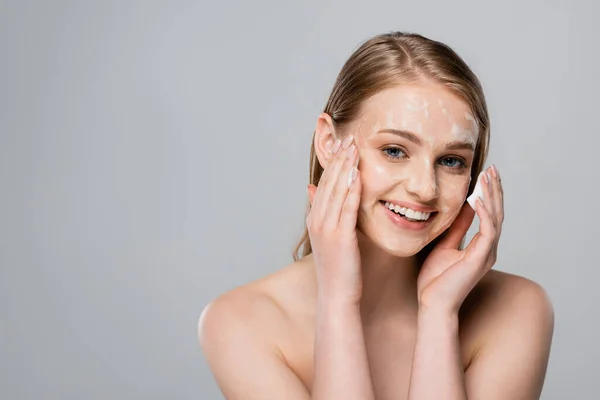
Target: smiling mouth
x=408 y=214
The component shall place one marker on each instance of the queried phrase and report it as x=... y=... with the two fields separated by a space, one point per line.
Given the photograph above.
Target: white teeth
x=407 y=212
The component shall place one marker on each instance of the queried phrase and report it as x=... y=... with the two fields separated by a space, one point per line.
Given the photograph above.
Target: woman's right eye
x=394 y=153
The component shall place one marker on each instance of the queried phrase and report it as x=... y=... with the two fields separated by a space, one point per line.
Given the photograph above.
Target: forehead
x=423 y=108
x=417 y=96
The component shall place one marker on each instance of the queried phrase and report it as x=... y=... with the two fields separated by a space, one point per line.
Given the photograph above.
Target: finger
x=459 y=228
x=481 y=244
x=349 y=215
x=498 y=196
x=326 y=183
x=340 y=190
x=487 y=194
x=333 y=156
x=477 y=254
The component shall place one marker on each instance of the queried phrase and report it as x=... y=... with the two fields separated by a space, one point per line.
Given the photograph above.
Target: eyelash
x=462 y=165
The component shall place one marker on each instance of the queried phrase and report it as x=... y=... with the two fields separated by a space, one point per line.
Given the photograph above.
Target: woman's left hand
x=449 y=274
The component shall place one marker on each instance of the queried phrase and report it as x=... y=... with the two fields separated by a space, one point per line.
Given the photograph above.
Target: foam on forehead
x=466 y=135
x=431 y=114
x=416 y=104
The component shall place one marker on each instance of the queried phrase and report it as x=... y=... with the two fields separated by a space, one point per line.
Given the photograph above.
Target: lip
x=412 y=206
x=403 y=223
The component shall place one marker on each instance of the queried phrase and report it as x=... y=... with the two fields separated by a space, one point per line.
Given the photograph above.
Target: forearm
x=437 y=371
x=341 y=368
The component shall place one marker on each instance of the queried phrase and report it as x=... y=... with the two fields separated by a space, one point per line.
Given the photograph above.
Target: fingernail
x=336 y=146
x=350 y=151
x=494 y=171
x=352 y=176
x=347 y=141
x=485 y=177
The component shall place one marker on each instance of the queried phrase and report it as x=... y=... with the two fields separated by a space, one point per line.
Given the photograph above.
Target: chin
x=398 y=245
x=402 y=247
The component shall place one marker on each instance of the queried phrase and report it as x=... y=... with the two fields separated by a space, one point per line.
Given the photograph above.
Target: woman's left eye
x=452 y=162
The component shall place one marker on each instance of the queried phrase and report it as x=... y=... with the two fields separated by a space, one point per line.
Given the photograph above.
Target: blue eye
x=452 y=162
x=456 y=164
x=394 y=153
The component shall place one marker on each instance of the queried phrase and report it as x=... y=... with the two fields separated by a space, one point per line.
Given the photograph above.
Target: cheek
x=379 y=172
x=453 y=193
x=379 y=176
x=374 y=178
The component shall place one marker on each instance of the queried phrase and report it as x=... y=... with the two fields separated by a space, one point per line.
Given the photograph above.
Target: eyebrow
x=455 y=145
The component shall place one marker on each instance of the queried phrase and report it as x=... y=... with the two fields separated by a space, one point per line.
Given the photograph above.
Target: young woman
x=385 y=302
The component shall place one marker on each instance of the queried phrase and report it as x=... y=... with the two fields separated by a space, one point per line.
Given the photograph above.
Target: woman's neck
x=389 y=283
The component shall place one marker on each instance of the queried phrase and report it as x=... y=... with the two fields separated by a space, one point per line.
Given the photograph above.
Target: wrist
x=438 y=315
x=337 y=303
x=438 y=308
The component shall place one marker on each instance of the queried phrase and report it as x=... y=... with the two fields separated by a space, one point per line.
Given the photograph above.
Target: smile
x=407 y=217
x=408 y=213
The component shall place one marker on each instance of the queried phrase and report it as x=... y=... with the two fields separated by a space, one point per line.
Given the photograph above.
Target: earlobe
x=325 y=136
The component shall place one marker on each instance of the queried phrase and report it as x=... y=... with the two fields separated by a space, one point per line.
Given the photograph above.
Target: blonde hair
x=388 y=60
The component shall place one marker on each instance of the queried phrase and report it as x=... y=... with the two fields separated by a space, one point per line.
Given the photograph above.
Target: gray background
x=155 y=154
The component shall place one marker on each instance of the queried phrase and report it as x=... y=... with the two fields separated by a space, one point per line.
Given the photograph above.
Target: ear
x=325 y=136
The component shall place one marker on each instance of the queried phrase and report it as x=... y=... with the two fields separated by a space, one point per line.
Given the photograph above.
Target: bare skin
x=259 y=339
x=280 y=309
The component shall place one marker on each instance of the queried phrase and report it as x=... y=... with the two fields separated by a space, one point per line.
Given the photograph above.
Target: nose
x=422 y=183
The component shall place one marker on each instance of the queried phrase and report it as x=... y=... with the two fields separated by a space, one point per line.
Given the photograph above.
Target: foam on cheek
x=389 y=174
x=450 y=187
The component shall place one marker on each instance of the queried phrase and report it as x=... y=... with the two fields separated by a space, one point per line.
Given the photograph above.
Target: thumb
x=459 y=228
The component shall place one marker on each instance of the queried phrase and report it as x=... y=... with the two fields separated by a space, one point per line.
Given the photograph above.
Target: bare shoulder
x=508 y=293
x=249 y=308
x=245 y=307
x=261 y=309
x=503 y=302
x=508 y=323
x=239 y=334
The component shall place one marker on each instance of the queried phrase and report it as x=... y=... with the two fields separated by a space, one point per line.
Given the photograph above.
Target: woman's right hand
x=331 y=225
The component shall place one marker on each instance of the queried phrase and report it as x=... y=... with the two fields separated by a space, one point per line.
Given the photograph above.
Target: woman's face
x=416 y=146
